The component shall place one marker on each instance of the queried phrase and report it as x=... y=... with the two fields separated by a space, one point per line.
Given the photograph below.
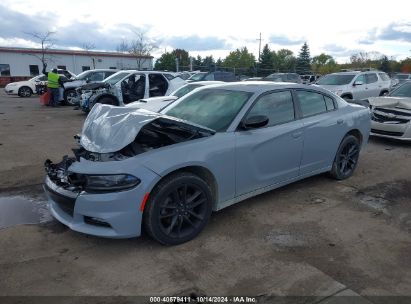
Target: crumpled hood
x=109 y=128
x=391 y=102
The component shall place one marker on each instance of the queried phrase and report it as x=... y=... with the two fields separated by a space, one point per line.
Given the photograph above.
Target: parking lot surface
x=318 y=237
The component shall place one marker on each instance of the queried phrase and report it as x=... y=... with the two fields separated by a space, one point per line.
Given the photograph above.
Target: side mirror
x=358 y=82
x=254 y=122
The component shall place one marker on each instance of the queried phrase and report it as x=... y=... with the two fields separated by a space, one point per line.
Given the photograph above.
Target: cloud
x=340 y=51
x=15 y=24
x=283 y=40
x=395 y=31
x=197 y=43
x=400 y=31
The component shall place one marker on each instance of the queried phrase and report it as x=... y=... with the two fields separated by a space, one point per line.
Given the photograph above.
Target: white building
x=15 y=62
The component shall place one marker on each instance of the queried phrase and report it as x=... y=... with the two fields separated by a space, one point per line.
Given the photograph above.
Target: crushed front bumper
x=111 y=215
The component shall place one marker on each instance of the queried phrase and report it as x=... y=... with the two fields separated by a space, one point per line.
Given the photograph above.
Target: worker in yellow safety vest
x=53 y=85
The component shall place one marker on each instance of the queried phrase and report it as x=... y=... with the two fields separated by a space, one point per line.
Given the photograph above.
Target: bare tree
x=47 y=42
x=123 y=47
x=88 y=46
x=140 y=47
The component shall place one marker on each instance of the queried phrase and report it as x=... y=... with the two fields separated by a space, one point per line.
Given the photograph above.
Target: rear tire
x=346 y=158
x=178 y=209
x=25 y=92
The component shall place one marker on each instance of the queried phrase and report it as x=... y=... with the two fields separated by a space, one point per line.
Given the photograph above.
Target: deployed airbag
x=109 y=128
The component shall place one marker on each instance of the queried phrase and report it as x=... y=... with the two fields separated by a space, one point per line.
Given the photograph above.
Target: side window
x=311 y=103
x=361 y=78
x=329 y=103
x=371 y=78
x=277 y=106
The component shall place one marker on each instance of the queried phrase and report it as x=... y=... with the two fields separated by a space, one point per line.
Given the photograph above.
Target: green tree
x=266 y=64
x=303 y=64
x=385 y=64
x=167 y=61
x=208 y=63
x=241 y=61
x=323 y=64
x=284 y=61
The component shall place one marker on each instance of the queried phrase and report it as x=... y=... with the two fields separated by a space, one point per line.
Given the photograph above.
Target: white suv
x=356 y=84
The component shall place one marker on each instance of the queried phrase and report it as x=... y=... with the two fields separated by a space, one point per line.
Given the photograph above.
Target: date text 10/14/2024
x=202 y=299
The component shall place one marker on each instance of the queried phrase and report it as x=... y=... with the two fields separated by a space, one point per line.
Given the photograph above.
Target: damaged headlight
x=115 y=182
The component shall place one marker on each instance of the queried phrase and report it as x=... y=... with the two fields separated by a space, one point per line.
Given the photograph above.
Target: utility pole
x=259 y=52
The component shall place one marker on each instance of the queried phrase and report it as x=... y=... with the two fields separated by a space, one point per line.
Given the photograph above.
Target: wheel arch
x=347 y=95
x=202 y=172
x=357 y=133
x=26 y=86
x=99 y=97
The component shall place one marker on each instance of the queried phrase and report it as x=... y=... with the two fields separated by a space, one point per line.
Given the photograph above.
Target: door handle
x=340 y=121
x=297 y=134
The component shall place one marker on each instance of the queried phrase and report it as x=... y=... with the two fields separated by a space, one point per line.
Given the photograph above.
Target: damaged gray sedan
x=214 y=147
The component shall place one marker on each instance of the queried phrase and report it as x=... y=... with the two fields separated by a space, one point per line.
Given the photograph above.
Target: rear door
x=323 y=130
x=271 y=154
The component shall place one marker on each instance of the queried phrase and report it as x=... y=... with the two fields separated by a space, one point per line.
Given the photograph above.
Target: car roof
x=263 y=86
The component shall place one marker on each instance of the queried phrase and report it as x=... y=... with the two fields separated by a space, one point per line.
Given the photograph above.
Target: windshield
x=113 y=79
x=210 y=107
x=185 y=90
x=402 y=91
x=83 y=75
x=197 y=76
x=336 y=79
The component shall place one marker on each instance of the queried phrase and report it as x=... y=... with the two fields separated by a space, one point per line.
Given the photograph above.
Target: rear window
x=336 y=79
x=371 y=78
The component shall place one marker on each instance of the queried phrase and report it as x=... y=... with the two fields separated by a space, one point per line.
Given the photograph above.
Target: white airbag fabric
x=110 y=128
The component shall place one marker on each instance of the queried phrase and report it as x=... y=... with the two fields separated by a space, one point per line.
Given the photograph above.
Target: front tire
x=70 y=97
x=346 y=158
x=25 y=92
x=178 y=209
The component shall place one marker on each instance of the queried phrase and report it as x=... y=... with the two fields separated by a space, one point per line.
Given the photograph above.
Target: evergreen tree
x=303 y=65
x=266 y=64
x=385 y=64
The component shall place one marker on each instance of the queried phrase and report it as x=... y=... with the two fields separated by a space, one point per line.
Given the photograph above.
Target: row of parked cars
x=388 y=99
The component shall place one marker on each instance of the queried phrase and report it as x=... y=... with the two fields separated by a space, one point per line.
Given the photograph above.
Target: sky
x=215 y=27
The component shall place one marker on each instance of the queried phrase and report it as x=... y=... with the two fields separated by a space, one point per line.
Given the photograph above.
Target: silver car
x=391 y=115
x=356 y=84
x=214 y=147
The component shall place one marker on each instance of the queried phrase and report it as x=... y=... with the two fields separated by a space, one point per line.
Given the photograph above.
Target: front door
x=271 y=154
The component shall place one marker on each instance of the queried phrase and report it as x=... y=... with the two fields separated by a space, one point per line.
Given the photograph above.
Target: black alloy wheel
x=346 y=159
x=178 y=209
